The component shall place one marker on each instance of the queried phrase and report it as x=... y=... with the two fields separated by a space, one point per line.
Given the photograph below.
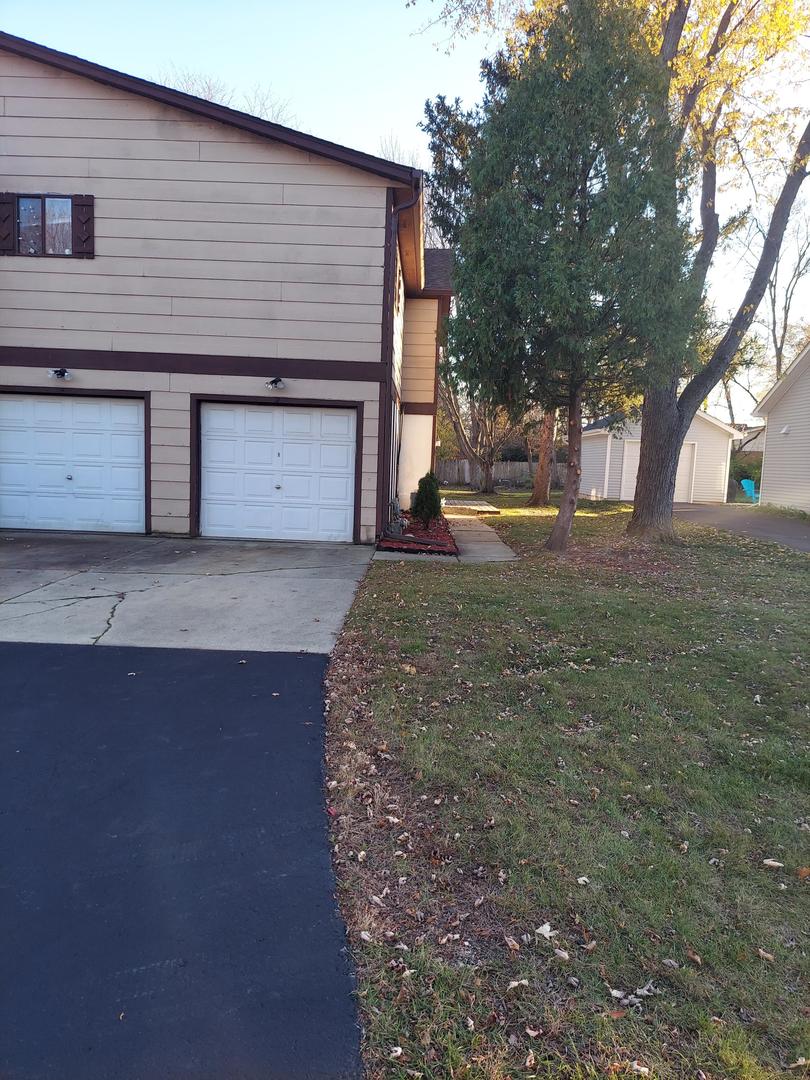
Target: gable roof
x=790 y=375
x=615 y=418
x=389 y=170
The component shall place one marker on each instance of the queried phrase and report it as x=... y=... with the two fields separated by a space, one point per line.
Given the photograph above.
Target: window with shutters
x=59 y=226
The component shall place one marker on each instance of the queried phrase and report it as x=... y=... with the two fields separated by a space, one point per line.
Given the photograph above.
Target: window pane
x=58 y=228
x=30 y=226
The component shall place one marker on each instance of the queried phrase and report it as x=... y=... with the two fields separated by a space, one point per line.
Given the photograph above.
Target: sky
x=356 y=72
x=351 y=71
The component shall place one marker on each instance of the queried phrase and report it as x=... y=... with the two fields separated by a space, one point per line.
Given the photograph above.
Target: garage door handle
x=278 y=487
x=69 y=476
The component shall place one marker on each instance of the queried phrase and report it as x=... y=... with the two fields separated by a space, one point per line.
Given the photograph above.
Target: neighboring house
x=750 y=439
x=786 y=458
x=610 y=455
x=209 y=323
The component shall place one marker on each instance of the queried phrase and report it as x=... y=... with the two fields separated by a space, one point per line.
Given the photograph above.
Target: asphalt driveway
x=167 y=902
x=175 y=593
x=755 y=521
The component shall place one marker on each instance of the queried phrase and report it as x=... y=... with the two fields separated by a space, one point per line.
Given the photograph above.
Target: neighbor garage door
x=71 y=462
x=683 y=477
x=277 y=473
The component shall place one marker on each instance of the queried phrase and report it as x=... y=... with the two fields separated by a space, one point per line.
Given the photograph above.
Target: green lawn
x=608 y=744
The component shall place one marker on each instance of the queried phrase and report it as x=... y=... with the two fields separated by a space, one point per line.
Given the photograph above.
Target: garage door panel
x=335 y=489
x=72 y=463
x=287 y=482
x=336 y=457
x=260 y=452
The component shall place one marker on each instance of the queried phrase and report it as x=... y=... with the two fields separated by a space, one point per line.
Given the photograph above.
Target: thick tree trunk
x=487 y=478
x=541 y=490
x=568 y=505
x=662 y=435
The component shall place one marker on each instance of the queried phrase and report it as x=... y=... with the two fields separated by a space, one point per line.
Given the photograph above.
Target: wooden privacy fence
x=460 y=471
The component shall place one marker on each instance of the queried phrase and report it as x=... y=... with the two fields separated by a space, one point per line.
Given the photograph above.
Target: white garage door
x=274 y=472
x=71 y=463
x=683 y=477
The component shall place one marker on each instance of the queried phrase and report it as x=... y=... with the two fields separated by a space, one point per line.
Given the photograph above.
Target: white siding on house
x=708 y=480
x=786 y=459
x=208 y=239
x=592 y=480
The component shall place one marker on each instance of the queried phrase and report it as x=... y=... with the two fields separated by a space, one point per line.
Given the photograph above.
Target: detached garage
x=610 y=456
x=72 y=462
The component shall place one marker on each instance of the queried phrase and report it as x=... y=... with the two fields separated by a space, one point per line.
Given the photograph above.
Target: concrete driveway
x=175 y=593
x=757 y=522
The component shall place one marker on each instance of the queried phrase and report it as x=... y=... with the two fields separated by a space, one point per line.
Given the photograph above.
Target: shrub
x=427 y=504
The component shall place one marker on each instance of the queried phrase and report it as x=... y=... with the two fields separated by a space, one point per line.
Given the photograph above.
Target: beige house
x=786 y=457
x=610 y=457
x=210 y=324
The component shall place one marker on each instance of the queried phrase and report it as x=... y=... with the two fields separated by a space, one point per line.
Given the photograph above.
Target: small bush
x=427 y=503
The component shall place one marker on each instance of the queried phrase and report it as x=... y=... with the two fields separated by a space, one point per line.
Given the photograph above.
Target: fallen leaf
x=583 y=880
x=589 y=946
x=799 y=1063
x=561 y=954
x=512 y=944
x=396 y=1052
x=803 y=873
x=533 y=1032
x=765 y=955
x=617 y=1014
x=694 y=957
x=546 y=931
x=531 y=1061
x=517 y=982
x=772 y=864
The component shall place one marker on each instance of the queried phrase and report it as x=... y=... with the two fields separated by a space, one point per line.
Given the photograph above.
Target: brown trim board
x=197 y=400
x=421 y=408
x=194 y=364
x=142 y=395
x=389 y=170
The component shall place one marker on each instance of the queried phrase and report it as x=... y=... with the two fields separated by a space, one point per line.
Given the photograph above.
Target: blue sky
x=353 y=71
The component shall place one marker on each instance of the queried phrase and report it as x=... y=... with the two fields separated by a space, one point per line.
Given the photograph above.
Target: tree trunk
x=568 y=504
x=487 y=477
x=541 y=490
x=662 y=435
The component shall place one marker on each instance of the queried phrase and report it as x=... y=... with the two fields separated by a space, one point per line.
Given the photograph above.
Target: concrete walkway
x=480 y=506
x=477 y=542
x=757 y=522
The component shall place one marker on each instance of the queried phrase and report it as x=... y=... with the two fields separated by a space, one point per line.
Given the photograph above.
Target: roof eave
x=781 y=386
x=389 y=170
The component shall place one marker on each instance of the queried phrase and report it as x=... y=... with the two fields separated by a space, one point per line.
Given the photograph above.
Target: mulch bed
x=433 y=539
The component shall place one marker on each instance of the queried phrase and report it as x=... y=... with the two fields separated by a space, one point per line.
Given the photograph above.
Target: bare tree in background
x=258 y=101
x=392 y=149
x=481 y=430
x=791 y=268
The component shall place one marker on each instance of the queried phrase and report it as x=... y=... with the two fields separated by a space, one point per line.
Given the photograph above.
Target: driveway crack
x=109 y=620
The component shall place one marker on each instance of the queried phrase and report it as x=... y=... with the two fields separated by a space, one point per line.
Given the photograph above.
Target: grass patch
x=610 y=743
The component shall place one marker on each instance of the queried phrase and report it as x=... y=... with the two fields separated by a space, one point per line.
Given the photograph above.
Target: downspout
x=384 y=485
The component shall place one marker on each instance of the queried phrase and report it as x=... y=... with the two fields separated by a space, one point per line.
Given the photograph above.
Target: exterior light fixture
x=60 y=373
x=276 y=383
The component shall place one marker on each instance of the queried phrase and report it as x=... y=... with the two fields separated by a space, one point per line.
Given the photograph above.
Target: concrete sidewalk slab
x=477 y=542
x=480 y=506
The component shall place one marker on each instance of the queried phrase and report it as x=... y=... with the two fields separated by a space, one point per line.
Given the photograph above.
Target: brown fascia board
x=389 y=170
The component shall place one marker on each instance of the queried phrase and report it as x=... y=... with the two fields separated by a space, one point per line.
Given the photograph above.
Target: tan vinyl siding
x=419 y=362
x=208 y=239
x=170 y=427
x=592 y=479
x=786 y=459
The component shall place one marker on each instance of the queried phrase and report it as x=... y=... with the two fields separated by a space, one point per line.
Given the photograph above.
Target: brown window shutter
x=8 y=223
x=84 y=232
